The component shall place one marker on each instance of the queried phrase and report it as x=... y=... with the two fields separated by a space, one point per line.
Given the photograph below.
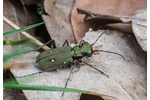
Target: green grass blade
x=21 y=29
x=18 y=51
x=12 y=84
x=37 y=87
x=8 y=42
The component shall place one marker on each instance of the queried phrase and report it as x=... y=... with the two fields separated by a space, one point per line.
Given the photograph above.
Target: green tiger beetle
x=66 y=55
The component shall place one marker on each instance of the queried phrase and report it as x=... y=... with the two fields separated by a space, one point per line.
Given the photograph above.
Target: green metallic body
x=86 y=49
x=62 y=56
x=54 y=58
x=81 y=51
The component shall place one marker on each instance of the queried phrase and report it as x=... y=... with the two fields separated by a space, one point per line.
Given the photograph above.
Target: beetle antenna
x=99 y=37
x=109 y=52
x=96 y=69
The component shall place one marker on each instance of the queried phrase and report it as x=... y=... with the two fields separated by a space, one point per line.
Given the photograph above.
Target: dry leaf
x=58 y=20
x=17 y=15
x=127 y=77
x=113 y=7
x=9 y=65
x=140 y=28
x=138 y=23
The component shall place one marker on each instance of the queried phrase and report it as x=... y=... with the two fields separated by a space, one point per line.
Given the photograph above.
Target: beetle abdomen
x=52 y=59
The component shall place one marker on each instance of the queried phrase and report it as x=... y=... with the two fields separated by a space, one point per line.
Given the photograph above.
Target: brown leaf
x=58 y=20
x=9 y=65
x=113 y=7
x=15 y=13
x=98 y=19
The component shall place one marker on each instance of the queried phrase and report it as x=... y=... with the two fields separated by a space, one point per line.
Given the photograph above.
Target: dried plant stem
x=11 y=24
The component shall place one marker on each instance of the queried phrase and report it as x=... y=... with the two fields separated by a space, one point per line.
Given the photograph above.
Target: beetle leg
x=66 y=42
x=81 y=42
x=53 y=44
x=76 y=70
x=77 y=64
x=29 y=75
x=51 y=41
x=68 y=78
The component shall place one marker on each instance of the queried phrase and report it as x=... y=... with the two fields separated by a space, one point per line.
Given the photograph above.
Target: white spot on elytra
x=52 y=60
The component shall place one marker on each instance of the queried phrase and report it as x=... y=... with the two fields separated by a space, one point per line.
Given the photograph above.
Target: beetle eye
x=89 y=54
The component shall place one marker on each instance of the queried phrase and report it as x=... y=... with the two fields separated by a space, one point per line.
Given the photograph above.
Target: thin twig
x=11 y=24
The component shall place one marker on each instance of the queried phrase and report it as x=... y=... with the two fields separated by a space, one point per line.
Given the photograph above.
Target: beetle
x=66 y=56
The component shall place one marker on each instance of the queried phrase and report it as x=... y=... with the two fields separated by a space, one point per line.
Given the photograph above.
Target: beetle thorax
x=85 y=50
